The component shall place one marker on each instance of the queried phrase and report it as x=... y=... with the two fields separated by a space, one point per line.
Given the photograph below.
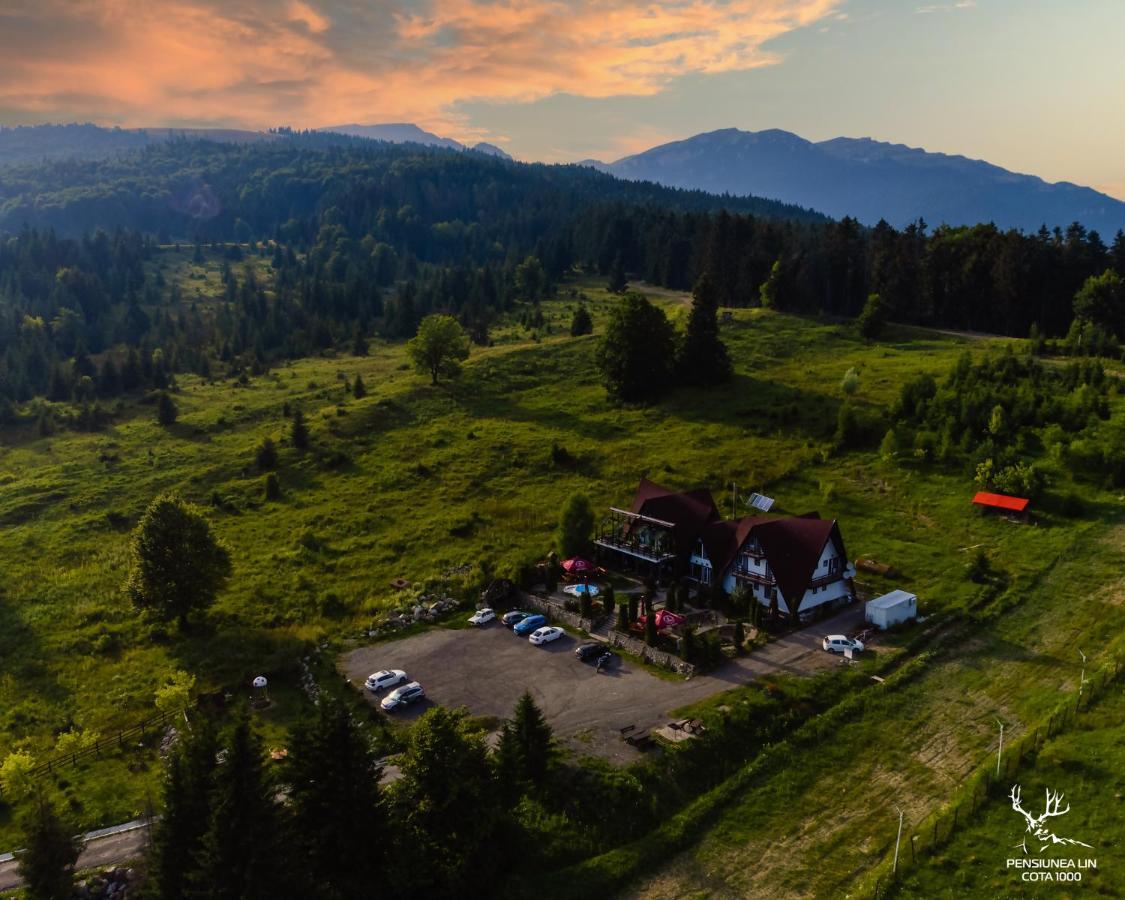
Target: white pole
x=1000 y=749
x=1082 y=677
x=898 y=840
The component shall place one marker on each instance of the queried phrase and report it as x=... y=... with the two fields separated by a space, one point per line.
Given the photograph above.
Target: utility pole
x=898 y=840
x=1000 y=749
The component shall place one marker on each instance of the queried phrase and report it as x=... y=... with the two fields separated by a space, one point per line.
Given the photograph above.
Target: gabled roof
x=688 y=511
x=792 y=545
x=1001 y=501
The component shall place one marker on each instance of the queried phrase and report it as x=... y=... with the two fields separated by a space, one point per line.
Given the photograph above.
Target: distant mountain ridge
x=868 y=180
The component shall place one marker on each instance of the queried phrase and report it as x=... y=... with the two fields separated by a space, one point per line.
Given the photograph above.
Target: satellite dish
x=260 y=681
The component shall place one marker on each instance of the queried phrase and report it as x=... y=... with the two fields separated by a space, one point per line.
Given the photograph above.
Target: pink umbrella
x=578 y=566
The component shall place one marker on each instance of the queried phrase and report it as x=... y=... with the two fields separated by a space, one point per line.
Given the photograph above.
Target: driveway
x=487 y=669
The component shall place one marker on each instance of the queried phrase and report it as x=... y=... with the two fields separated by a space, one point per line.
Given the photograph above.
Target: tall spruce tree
x=338 y=820
x=47 y=863
x=177 y=837
x=242 y=855
x=637 y=352
x=451 y=810
x=703 y=359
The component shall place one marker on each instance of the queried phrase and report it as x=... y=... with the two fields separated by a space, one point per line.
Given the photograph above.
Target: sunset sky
x=1034 y=86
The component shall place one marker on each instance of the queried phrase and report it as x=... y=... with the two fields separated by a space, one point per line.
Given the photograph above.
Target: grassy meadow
x=413 y=480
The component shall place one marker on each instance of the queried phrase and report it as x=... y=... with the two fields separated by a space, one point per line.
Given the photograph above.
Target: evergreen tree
x=618 y=282
x=271 y=487
x=359 y=341
x=651 y=634
x=177 y=836
x=534 y=740
x=581 y=322
x=166 y=411
x=873 y=320
x=299 y=431
x=739 y=637
x=448 y=805
x=575 y=527
x=50 y=852
x=359 y=389
x=637 y=351
x=703 y=359
x=1101 y=302
x=266 y=455
x=337 y=813
x=242 y=856
x=178 y=566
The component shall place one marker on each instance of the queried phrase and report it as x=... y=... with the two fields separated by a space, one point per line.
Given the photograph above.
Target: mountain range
x=868 y=180
x=859 y=177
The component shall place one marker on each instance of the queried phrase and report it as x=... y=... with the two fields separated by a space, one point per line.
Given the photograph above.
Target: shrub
x=15 y=775
x=266 y=455
x=272 y=488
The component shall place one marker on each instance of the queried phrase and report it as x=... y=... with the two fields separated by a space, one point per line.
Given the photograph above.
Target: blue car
x=530 y=624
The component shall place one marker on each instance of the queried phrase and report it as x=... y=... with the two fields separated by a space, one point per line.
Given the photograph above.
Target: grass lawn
x=413 y=480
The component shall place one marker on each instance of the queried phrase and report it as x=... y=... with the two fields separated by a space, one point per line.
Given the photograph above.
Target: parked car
x=528 y=624
x=590 y=650
x=838 y=643
x=546 y=635
x=403 y=696
x=510 y=619
x=481 y=616
x=379 y=681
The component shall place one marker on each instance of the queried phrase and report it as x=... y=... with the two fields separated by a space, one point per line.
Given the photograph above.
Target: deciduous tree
x=637 y=353
x=178 y=566
x=439 y=347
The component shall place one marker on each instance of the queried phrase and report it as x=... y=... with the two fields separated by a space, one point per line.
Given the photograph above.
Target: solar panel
x=760 y=501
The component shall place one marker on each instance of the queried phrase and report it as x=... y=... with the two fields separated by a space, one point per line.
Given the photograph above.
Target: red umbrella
x=578 y=566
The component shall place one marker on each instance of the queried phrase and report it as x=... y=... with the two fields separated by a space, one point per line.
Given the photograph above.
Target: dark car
x=513 y=618
x=590 y=650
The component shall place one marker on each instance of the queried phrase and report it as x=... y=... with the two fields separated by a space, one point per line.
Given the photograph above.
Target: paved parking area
x=487 y=669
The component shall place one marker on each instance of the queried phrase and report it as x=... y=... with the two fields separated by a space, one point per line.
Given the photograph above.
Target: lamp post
x=1000 y=749
x=898 y=840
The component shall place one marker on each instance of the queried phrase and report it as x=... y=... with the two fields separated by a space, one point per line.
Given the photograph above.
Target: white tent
x=891 y=609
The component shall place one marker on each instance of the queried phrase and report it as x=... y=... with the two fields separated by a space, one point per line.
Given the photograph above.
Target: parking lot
x=487 y=669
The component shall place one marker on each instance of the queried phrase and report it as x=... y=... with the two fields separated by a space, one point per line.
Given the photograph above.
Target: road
x=101 y=850
x=487 y=669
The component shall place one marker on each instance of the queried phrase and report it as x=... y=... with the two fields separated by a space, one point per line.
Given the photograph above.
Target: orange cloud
x=310 y=63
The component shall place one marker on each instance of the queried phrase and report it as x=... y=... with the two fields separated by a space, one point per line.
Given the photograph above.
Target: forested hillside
x=366 y=238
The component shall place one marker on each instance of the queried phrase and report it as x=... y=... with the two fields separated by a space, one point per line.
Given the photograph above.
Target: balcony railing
x=634 y=548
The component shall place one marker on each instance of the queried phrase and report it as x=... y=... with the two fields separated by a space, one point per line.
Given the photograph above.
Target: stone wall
x=650 y=654
x=557 y=611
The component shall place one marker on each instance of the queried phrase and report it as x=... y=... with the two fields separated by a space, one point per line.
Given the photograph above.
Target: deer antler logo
x=1035 y=824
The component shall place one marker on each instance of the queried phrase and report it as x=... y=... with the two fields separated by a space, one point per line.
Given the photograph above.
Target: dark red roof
x=1001 y=501
x=688 y=511
x=792 y=545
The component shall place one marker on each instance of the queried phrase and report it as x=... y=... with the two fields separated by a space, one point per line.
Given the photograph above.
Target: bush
x=15 y=775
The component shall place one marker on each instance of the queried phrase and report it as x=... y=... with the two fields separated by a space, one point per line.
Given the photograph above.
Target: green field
x=413 y=480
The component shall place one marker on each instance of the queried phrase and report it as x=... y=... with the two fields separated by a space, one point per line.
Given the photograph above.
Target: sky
x=1033 y=86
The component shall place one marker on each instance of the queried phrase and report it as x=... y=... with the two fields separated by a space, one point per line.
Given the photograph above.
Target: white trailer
x=891 y=609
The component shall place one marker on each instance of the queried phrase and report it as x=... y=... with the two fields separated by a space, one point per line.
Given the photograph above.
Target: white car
x=838 y=643
x=387 y=678
x=546 y=635
x=403 y=696
x=481 y=616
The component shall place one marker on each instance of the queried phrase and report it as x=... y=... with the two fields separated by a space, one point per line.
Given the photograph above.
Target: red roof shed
x=1001 y=501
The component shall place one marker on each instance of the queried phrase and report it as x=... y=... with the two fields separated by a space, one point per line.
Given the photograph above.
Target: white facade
x=829 y=582
x=891 y=609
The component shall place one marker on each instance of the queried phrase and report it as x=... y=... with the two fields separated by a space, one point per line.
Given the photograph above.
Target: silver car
x=403 y=696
